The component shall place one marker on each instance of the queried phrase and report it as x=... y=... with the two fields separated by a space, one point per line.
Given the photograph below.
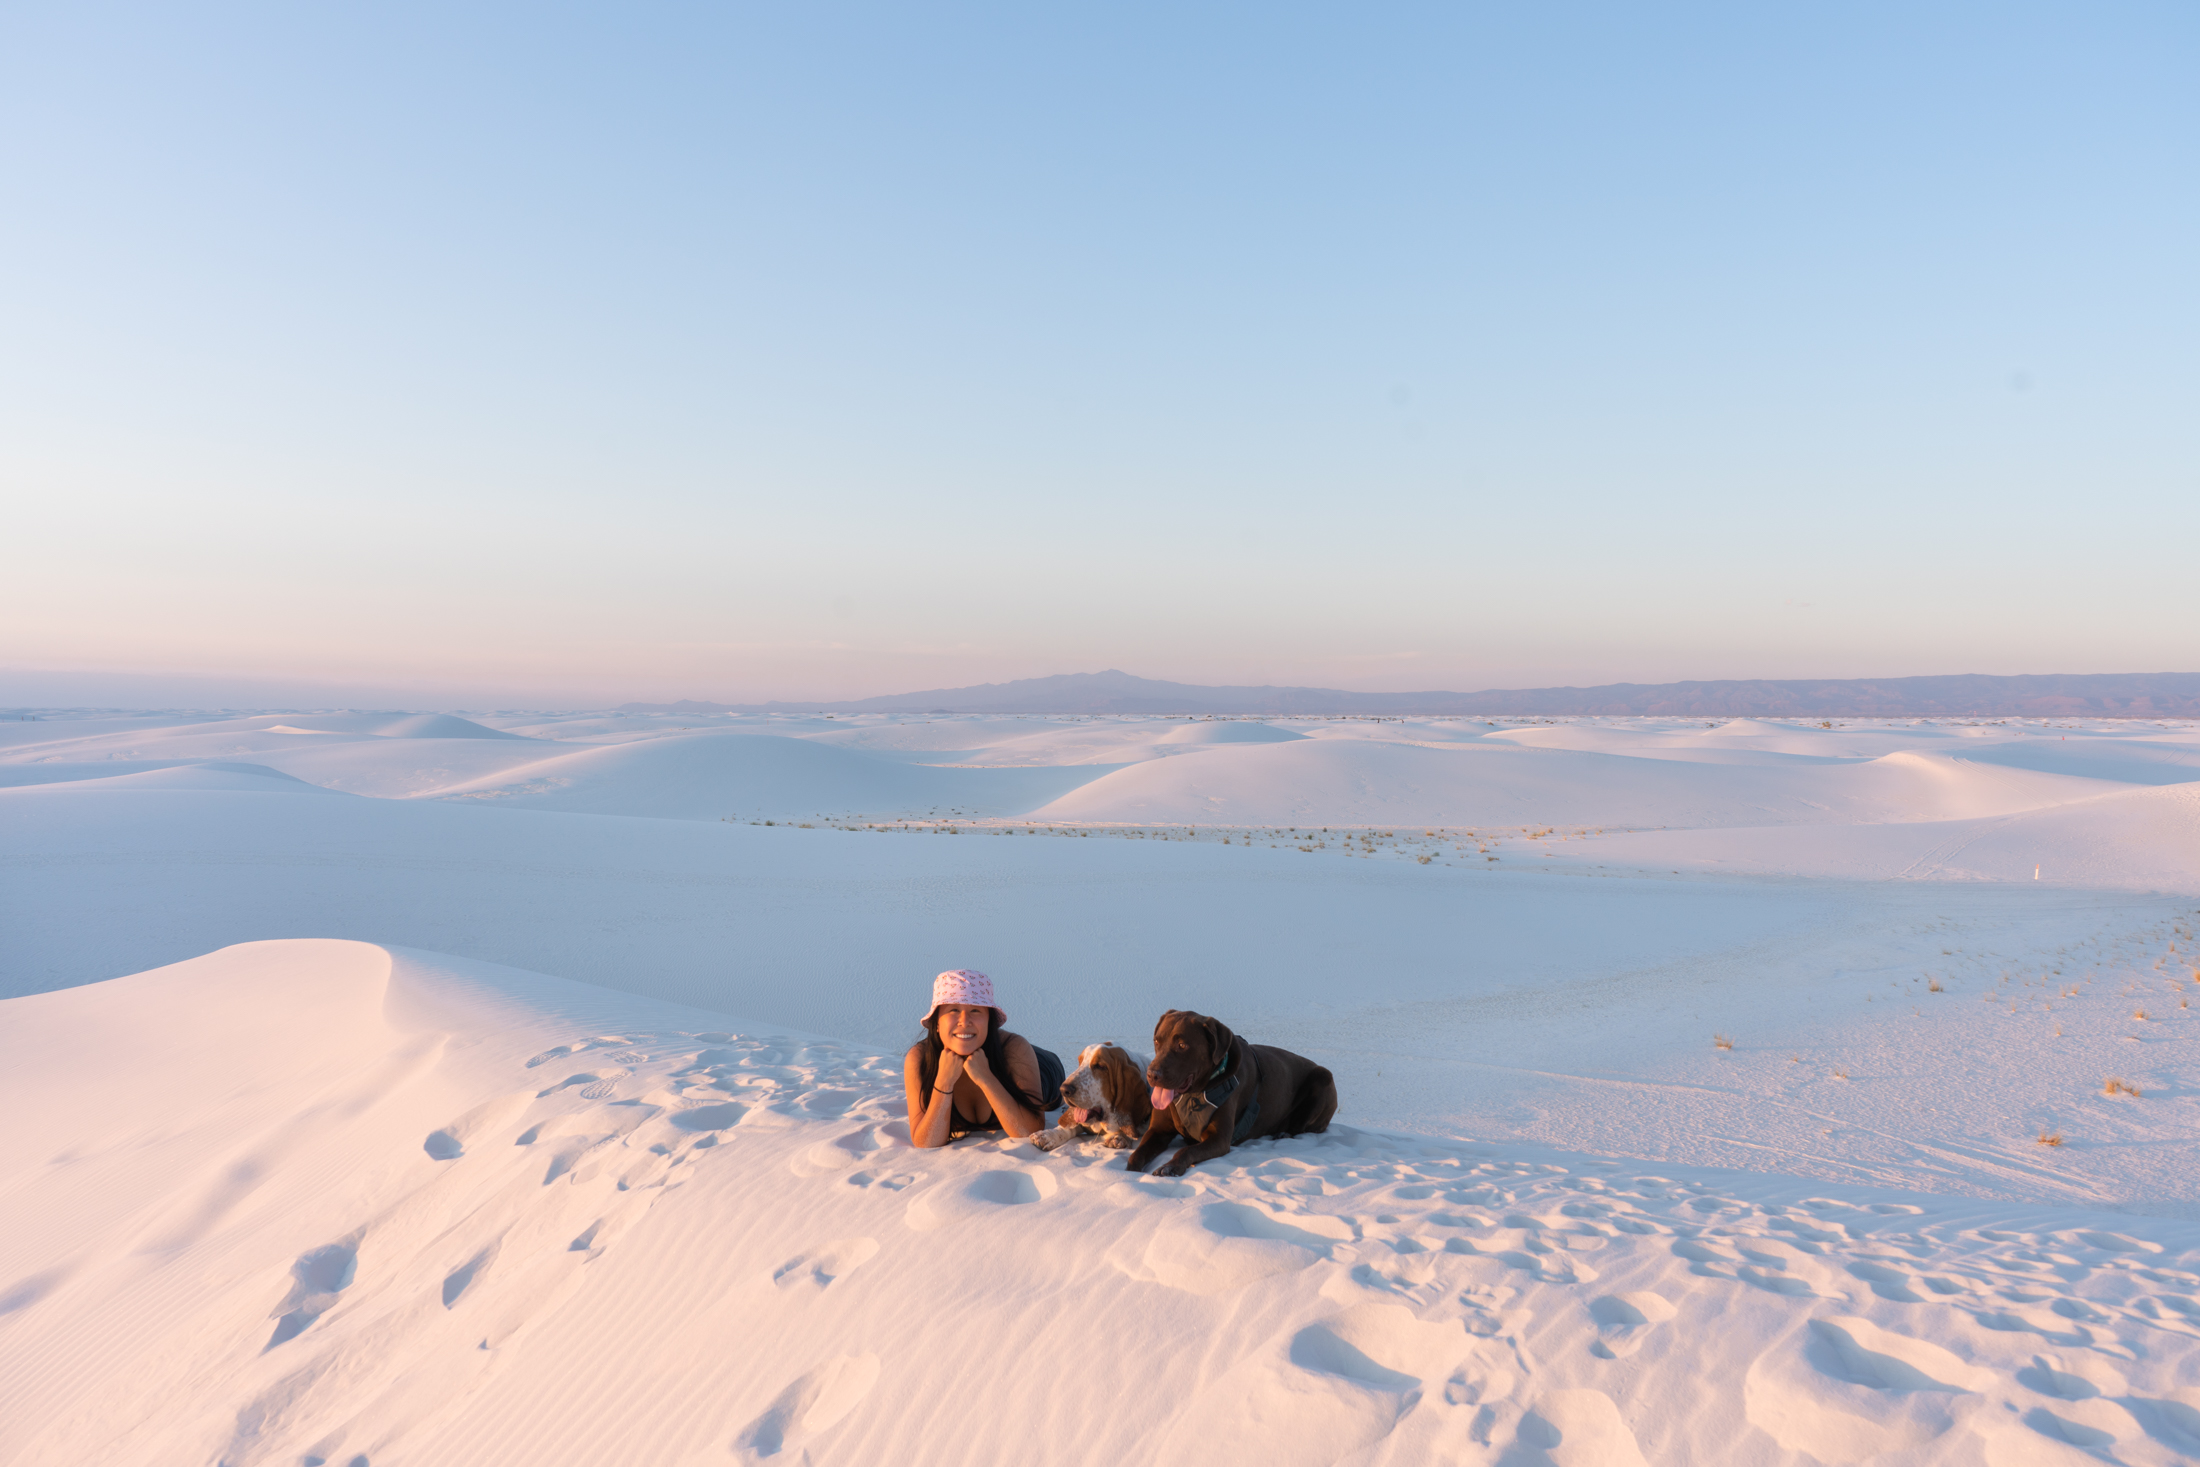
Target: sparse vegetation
x=2051 y=1138
x=2114 y=1086
x=1720 y=1041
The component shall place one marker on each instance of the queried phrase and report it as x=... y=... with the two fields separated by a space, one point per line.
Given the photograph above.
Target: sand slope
x=2145 y=839
x=1714 y=1137
x=706 y=776
x=470 y=1214
x=1361 y=782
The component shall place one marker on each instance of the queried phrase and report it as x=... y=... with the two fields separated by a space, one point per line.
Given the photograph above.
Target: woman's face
x=963 y=1026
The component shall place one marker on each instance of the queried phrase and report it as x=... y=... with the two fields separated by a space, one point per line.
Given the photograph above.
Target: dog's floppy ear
x=1219 y=1034
x=1112 y=1065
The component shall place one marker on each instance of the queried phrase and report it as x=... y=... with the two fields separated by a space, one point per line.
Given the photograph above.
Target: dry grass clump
x=1932 y=985
x=2139 y=1014
x=2050 y=1138
x=2114 y=1086
x=1720 y=1041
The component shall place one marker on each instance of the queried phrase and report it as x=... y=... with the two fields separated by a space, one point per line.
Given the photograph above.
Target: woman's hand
x=974 y=1062
x=931 y=1107
x=951 y=1070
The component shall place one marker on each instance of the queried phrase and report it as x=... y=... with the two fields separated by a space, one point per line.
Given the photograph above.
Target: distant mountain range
x=2099 y=695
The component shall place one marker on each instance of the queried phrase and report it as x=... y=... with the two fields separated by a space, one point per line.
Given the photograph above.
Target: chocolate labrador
x=1216 y=1090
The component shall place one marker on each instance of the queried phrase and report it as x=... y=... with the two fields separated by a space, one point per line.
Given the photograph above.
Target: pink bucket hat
x=963 y=986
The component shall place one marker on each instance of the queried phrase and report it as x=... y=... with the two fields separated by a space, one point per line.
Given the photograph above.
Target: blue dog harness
x=1224 y=1083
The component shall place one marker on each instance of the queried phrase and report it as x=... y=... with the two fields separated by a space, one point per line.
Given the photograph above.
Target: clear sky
x=731 y=351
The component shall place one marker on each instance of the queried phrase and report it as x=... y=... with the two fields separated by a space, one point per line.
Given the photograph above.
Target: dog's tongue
x=1163 y=1099
x=1079 y=1114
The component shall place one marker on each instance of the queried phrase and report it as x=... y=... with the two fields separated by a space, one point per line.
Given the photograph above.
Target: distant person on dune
x=968 y=1074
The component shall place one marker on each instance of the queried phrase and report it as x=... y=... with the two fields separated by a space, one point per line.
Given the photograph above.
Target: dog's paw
x=1175 y=1166
x=1118 y=1141
x=1054 y=1136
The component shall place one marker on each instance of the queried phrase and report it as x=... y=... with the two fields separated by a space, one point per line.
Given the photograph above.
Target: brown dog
x=1215 y=1090
x=1106 y=1094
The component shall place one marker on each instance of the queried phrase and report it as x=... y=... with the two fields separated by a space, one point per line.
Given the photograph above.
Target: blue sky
x=742 y=351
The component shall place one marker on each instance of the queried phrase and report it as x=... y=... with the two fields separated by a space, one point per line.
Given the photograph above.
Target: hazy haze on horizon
x=742 y=353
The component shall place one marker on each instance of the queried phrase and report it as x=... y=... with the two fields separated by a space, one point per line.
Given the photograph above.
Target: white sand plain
x=310 y=1162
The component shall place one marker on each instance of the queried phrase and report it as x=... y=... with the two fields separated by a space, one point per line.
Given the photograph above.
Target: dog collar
x=1216 y=1093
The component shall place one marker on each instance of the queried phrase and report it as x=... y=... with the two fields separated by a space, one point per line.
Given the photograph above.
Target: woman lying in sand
x=969 y=1074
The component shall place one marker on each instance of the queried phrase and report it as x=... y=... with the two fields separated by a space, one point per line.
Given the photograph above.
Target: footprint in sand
x=2112 y=1242
x=1575 y=1429
x=1806 y=1233
x=463 y=1277
x=884 y=1180
x=1856 y=1350
x=2080 y=1380
x=1381 y=1345
x=1853 y=1391
x=1776 y=1268
x=2054 y=1328
x=710 y=1117
x=1132 y=1191
x=1624 y=1319
x=825 y=1265
x=1886 y=1281
x=316 y=1279
x=844 y=1150
x=449 y=1143
x=1335 y=1387
x=1544 y=1264
x=2077 y=1411
x=813 y=1404
x=1227 y=1246
x=978 y=1197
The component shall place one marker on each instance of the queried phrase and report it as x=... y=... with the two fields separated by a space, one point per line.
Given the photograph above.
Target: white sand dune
x=1361 y=782
x=470 y=1214
x=1523 y=1003
x=1230 y=732
x=706 y=776
x=385 y=725
x=209 y=774
x=439 y=726
x=2144 y=839
x=71 y=772
x=298 y=1186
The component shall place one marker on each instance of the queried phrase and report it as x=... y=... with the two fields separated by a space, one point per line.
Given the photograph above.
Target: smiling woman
x=969 y=1073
